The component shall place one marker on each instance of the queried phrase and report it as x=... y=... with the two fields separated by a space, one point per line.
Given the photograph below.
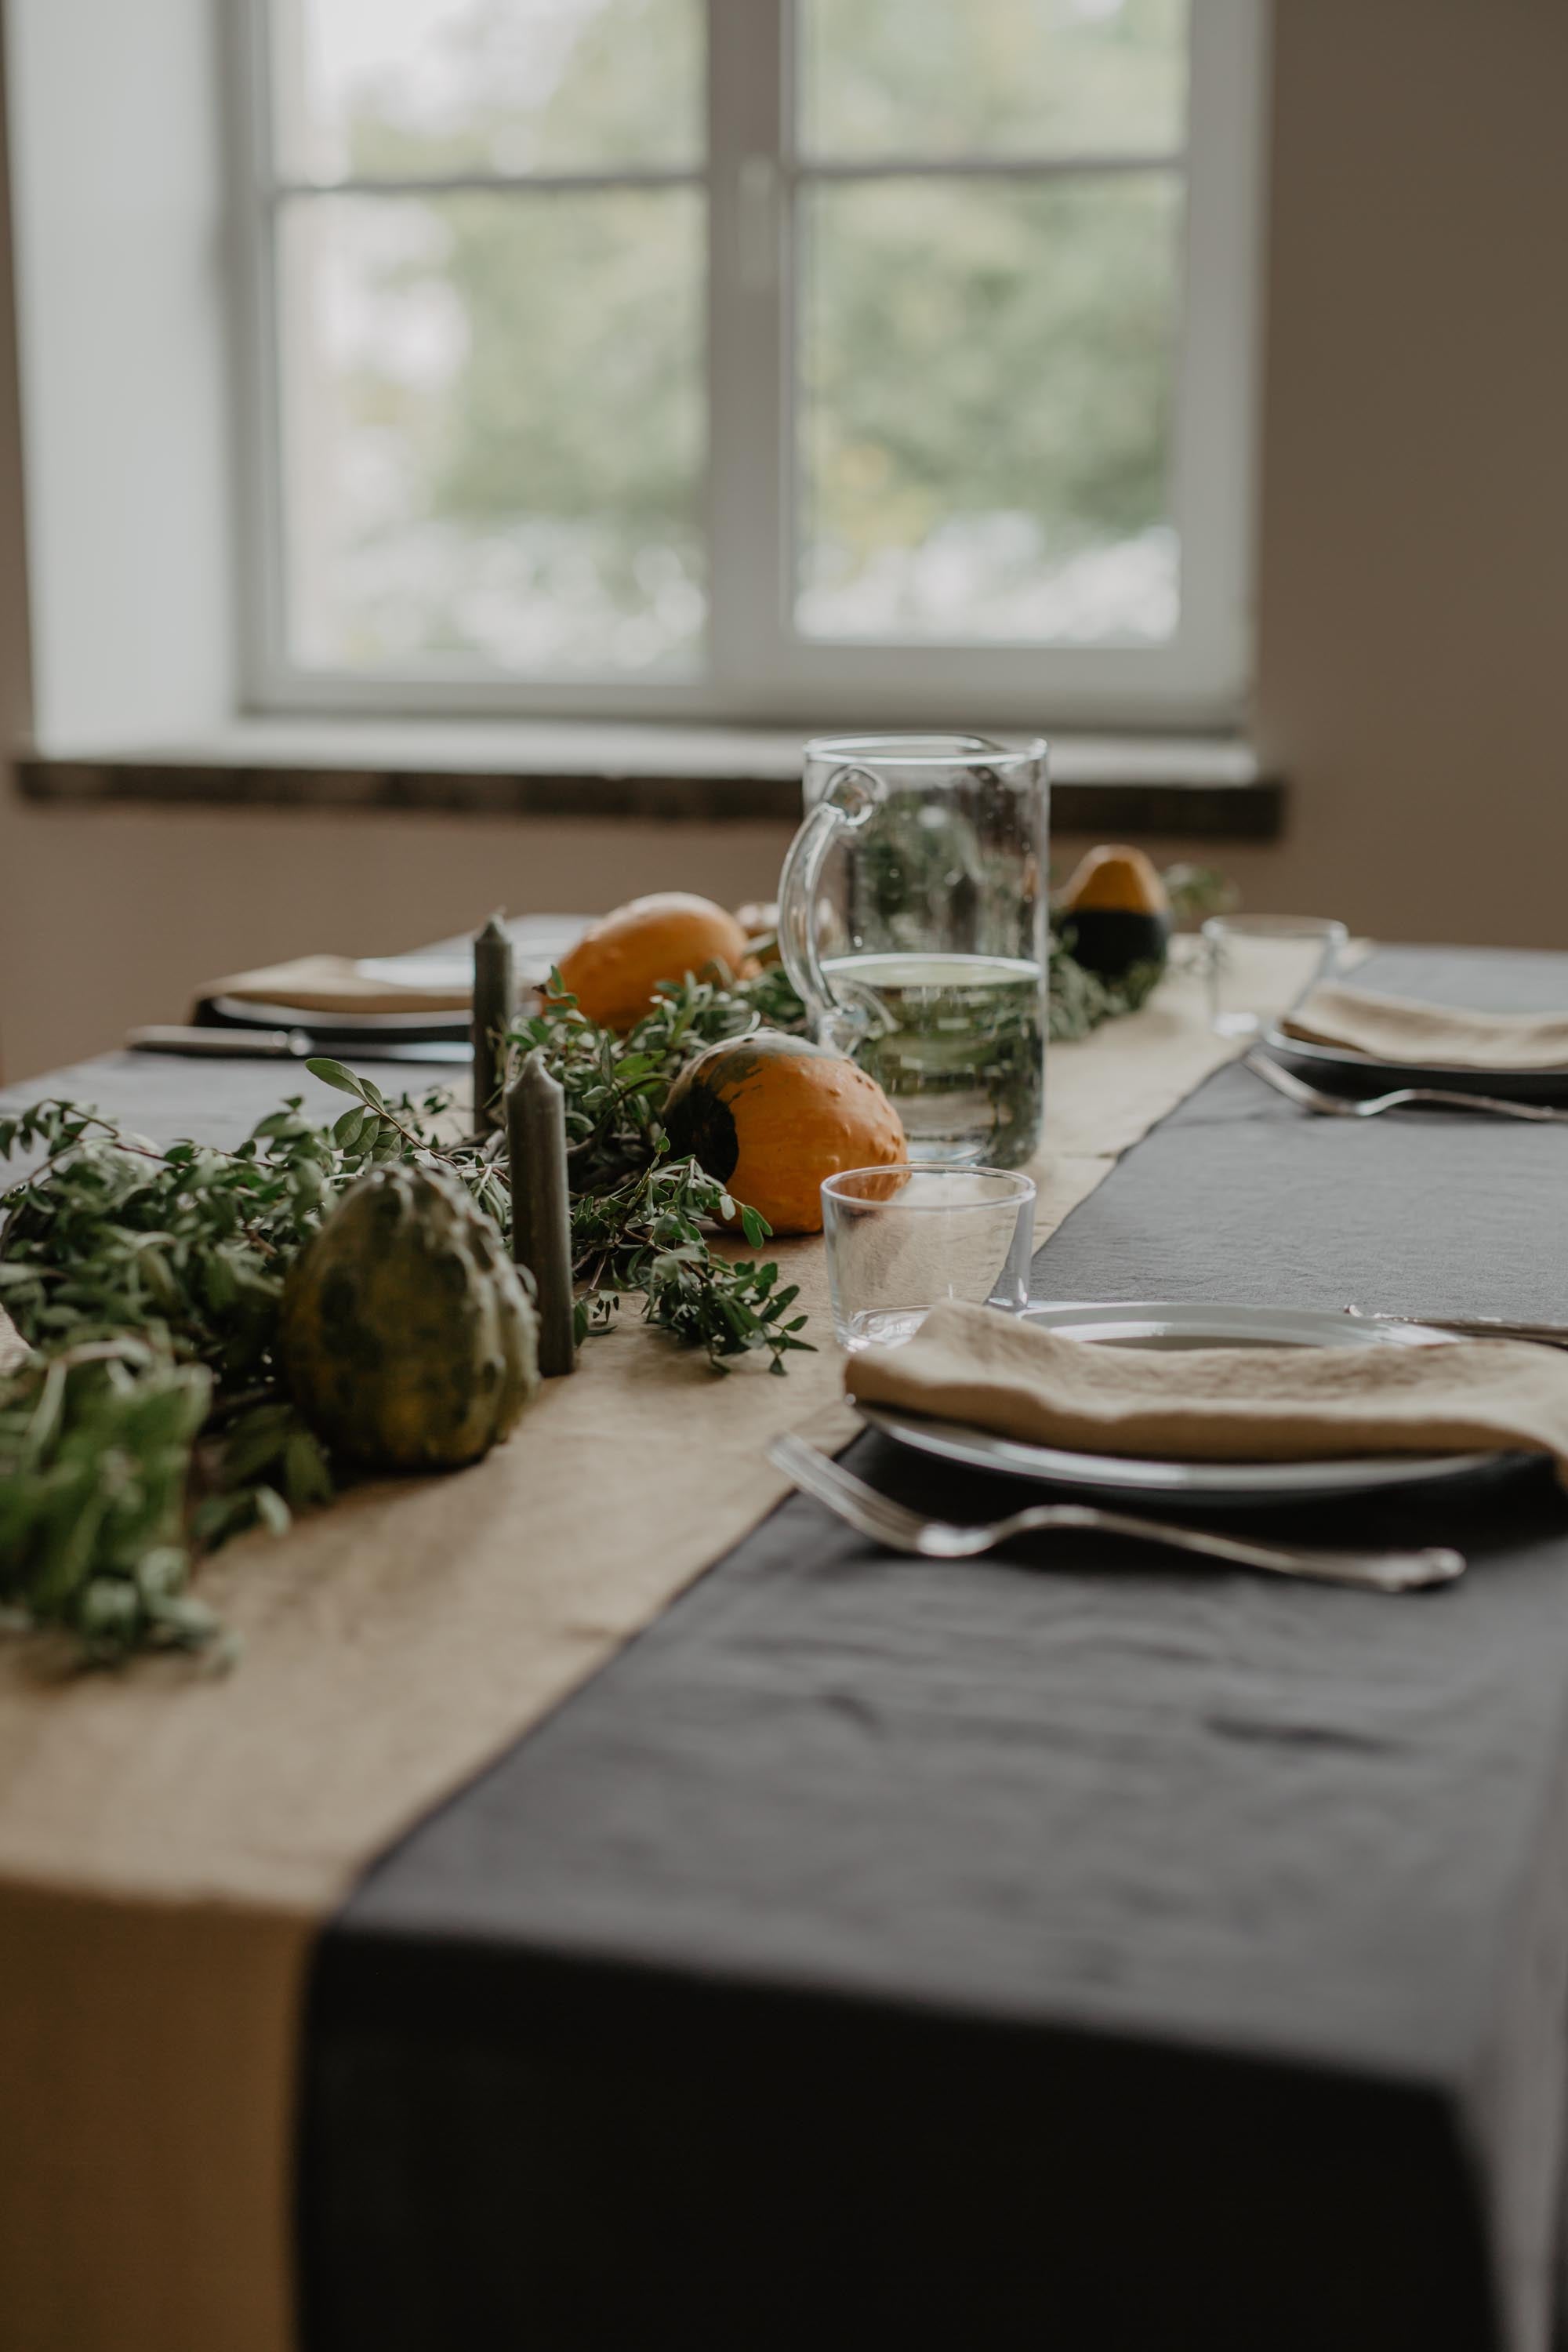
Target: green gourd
x=406 y=1336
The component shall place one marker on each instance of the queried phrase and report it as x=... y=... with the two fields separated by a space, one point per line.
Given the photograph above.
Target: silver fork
x=901 y=1529
x=1297 y=1090
x=1472 y=1327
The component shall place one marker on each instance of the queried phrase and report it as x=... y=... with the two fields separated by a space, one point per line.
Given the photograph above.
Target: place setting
x=1107 y=1410
x=1353 y=1052
x=412 y=1008
x=1353 y=1037
x=1118 y=1412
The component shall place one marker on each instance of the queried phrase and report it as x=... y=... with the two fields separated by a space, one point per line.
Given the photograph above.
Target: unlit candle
x=540 y=1206
x=495 y=1000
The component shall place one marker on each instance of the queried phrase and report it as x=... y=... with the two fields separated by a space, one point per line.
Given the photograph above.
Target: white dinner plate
x=1343 y=1072
x=1212 y=1485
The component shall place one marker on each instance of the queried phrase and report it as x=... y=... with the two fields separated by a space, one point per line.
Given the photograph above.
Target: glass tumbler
x=1261 y=966
x=912 y=924
x=900 y=1239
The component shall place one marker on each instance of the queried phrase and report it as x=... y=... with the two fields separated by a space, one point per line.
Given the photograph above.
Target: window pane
x=986 y=409
x=493 y=416
x=934 y=78
x=417 y=88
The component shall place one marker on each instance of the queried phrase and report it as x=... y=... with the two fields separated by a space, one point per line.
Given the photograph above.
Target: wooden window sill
x=1203 y=788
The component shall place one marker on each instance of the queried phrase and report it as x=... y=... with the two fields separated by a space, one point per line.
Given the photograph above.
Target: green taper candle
x=542 y=1206
x=495 y=1001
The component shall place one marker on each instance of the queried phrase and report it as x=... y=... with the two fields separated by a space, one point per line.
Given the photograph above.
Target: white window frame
x=758 y=670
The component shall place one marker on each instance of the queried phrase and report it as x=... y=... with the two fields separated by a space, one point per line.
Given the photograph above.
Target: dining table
x=610 y=1902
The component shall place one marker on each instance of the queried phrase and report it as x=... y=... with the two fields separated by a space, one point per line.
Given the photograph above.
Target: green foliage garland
x=148 y=1422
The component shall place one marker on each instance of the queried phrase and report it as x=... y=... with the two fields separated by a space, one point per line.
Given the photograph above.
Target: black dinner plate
x=1339 y=1071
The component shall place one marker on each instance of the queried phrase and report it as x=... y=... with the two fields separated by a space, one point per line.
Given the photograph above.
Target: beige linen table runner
x=170 y=1840
x=1397 y=1029
x=1222 y=1404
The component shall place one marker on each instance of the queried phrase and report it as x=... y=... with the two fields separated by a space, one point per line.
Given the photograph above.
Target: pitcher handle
x=850 y=797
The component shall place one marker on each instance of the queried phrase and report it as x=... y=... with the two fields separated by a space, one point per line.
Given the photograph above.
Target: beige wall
x=1413 y=586
x=157 y=901
x=1413 y=579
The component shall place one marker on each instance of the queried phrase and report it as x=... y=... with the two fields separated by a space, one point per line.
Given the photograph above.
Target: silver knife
x=222 y=1044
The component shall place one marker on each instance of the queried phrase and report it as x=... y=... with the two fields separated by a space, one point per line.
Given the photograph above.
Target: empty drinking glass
x=900 y=1239
x=1261 y=966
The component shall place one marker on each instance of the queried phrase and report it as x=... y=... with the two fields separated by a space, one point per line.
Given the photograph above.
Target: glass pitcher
x=912 y=913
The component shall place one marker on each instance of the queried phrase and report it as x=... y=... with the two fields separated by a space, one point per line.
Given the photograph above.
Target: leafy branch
x=651 y=1234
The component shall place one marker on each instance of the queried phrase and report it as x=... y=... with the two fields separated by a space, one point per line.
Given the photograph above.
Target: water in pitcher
x=957 y=1043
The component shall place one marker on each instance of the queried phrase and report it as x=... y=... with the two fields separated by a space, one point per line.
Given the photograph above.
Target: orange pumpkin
x=771 y=1116
x=615 y=966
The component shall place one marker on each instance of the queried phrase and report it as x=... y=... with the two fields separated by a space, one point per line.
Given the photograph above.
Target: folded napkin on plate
x=996 y=1371
x=1397 y=1029
x=329 y=983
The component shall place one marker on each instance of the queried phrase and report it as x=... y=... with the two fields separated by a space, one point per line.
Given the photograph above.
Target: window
x=812 y=358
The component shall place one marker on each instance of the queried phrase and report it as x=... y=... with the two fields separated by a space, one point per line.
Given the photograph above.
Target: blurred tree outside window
x=489 y=230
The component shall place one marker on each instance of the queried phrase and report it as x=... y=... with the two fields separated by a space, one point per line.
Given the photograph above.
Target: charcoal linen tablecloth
x=1115 y=1955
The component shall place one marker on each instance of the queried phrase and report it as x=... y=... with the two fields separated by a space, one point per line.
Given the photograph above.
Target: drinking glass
x=900 y=1239
x=912 y=923
x=1261 y=966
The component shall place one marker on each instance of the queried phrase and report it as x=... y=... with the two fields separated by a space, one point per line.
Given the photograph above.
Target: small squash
x=408 y=1338
x=771 y=1116
x=1114 y=913
x=615 y=966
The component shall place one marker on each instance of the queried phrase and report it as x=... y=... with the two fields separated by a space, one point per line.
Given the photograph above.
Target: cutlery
x=901 y=1529
x=219 y=1044
x=225 y=1044
x=1475 y=1326
x=1297 y=1090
